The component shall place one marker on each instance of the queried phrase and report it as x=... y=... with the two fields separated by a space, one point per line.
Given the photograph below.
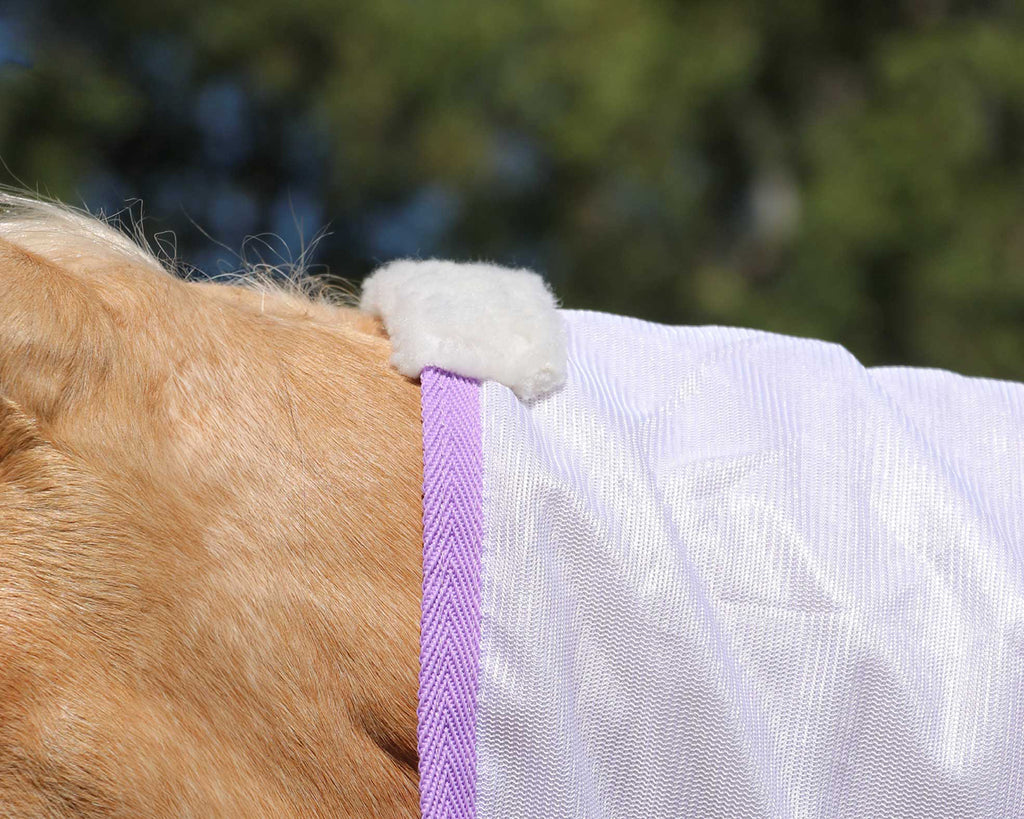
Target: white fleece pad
x=733 y=574
x=476 y=320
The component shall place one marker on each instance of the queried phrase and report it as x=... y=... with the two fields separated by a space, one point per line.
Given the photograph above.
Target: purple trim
x=450 y=625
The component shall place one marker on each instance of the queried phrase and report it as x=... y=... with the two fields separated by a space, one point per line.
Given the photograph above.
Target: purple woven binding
x=450 y=627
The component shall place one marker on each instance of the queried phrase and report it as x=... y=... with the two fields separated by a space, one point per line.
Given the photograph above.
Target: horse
x=461 y=553
x=210 y=537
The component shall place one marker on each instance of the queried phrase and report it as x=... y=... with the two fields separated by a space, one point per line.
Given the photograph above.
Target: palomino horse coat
x=210 y=542
x=666 y=572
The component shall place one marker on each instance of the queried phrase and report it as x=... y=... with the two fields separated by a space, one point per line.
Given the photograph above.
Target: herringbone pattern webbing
x=450 y=626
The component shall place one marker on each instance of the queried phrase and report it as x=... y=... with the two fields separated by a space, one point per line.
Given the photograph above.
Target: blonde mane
x=69 y=237
x=76 y=239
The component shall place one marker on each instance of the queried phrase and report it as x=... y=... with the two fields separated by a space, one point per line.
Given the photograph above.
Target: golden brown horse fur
x=209 y=542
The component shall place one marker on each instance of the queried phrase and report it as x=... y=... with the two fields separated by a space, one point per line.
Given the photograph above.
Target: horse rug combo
x=722 y=573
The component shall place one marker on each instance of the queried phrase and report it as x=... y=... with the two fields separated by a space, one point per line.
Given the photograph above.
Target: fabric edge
x=450 y=614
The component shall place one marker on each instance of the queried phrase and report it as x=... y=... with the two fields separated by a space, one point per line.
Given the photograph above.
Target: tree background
x=852 y=171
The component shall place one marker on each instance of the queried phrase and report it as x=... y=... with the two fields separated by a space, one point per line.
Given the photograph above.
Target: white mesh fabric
x=734 y=574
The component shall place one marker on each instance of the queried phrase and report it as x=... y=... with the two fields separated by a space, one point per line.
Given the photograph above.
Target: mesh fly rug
x=722 y=573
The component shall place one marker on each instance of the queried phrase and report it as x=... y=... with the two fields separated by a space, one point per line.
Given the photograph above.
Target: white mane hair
x=76 y=239
x=70 y=237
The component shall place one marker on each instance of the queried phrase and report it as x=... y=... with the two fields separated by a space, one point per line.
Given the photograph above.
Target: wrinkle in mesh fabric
x=725 y=573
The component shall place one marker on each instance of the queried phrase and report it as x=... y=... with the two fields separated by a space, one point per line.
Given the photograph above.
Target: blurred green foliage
x=851 y=171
